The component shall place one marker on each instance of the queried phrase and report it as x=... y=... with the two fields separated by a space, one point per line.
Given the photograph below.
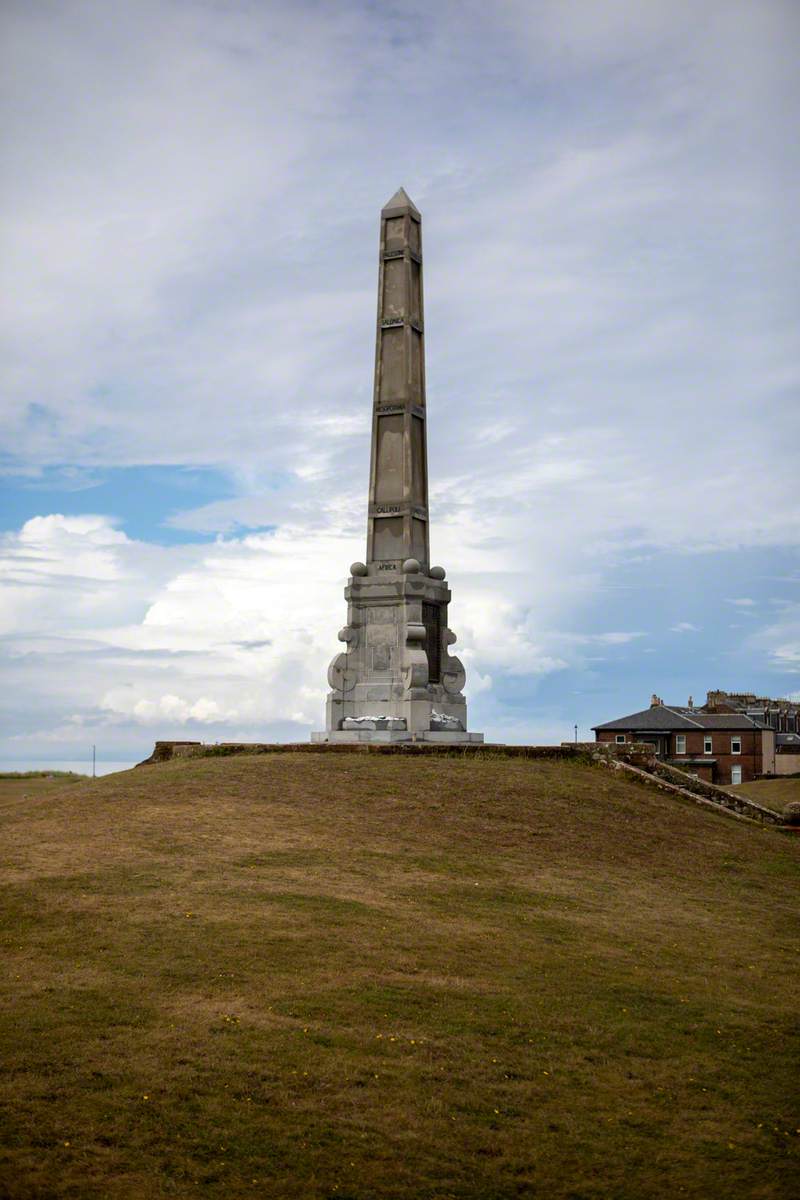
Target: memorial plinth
x=396 y=680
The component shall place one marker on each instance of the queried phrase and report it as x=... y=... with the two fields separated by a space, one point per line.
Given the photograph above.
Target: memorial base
x=439 y=737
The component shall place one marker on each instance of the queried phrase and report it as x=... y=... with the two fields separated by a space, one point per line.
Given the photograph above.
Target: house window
x=620 y=739
x=736 y=745
x=680 y=743
x=706 y=745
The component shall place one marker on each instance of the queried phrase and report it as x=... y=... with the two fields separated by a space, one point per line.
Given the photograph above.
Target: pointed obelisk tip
x=400 y=201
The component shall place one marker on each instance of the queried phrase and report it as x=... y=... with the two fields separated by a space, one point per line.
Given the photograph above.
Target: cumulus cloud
x=780 y=640
x=206 y=188
x=230 y=639
x=167 y=708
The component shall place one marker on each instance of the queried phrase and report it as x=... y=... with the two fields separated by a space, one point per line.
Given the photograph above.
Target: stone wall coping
x=165 y=750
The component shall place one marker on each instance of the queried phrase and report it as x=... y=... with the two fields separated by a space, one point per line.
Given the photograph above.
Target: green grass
x=772 y=793
x=23 y=785
x=365 y=976
x=65 y=776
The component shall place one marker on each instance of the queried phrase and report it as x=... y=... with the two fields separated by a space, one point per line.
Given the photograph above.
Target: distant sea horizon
x=80 y=766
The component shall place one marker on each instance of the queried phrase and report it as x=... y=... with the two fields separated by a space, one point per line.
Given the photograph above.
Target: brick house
x=787 y=753
x=782 y=715
x=719 y=747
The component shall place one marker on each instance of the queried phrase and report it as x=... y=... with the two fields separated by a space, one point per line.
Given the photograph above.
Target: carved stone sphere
x=791 y=813
x=437 y=572
x=411 y=567
x=358 y=568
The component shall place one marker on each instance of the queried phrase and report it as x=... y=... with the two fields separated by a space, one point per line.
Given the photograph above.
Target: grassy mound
x=772 y=793
x=360 y=976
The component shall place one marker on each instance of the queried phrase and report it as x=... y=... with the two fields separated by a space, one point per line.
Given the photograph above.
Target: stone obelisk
x=396 y=679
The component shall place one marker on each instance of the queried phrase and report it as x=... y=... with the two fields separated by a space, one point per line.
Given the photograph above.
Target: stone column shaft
x=397 y=527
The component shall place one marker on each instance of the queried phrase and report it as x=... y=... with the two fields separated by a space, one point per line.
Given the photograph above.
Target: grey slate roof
x=787 y=739
x=657 y=717
x=664 y=718
x=729 y=721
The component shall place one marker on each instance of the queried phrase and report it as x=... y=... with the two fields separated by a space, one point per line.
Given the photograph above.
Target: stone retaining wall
x=639 y=757
x=718 y=795
x=164 y=751
x=738 y=808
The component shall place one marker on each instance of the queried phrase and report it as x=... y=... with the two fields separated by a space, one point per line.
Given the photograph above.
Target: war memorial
x=396 y=680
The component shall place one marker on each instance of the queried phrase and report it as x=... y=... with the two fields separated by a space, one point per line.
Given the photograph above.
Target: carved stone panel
x=381 y=615
x=389 y=468
x=416 y=364
x=416 y=295
x=394 y=288
x=388 y=537
x=395 y=232
x=381 y=658
x=393 y=364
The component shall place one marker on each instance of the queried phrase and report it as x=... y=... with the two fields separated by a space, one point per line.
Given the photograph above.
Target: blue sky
x=189 y=222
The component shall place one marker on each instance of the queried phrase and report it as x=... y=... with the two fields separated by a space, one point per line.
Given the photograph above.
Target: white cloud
x=685 y=627
x=780 y=640
x=191 y=215
x=232 y=638
x=194 y=281
x=166 y=708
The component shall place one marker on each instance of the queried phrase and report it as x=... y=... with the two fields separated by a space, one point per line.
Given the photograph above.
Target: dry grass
x=358 y=976
x=35 y=784
x=772 y=793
